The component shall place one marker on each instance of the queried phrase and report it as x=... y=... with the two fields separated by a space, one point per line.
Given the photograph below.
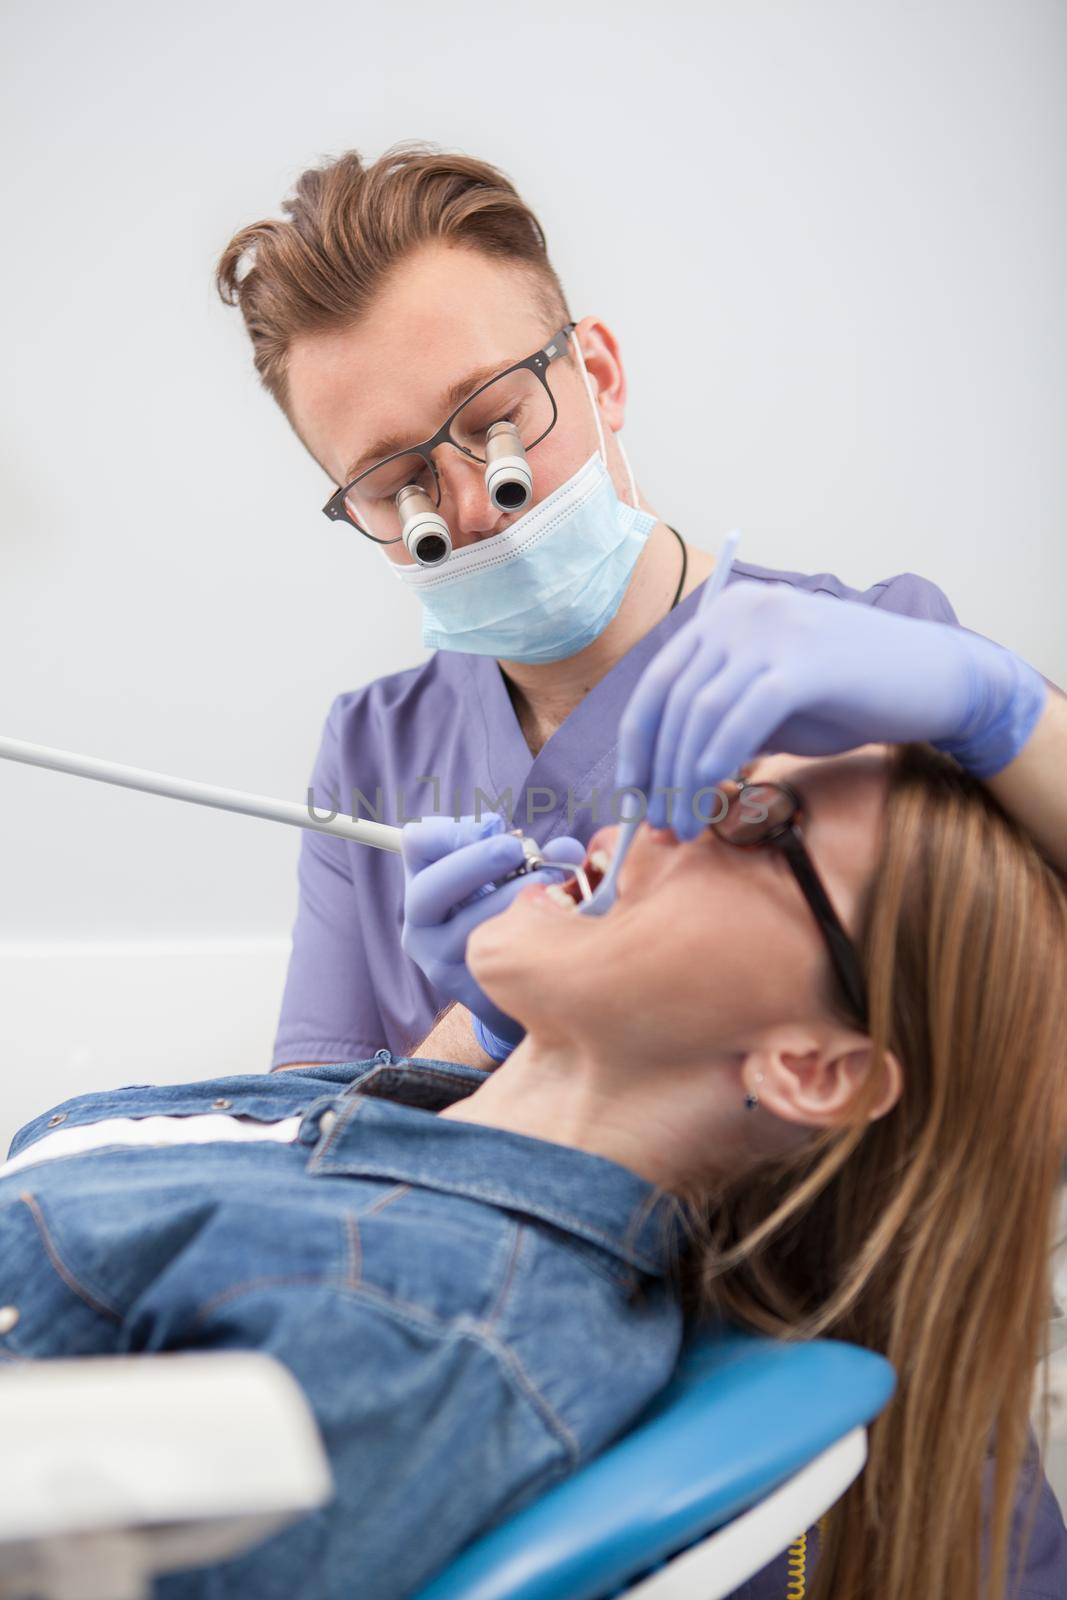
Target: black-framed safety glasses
x=520 y=395
x=767 y=814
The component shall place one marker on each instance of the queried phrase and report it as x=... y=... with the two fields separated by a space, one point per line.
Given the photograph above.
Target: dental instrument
x=379 y=835
x=603 y=897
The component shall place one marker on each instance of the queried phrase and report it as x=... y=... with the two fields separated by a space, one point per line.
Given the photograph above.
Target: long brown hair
x=349 y=224
x=926 y=1234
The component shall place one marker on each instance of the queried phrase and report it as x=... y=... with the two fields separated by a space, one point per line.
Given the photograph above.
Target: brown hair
x=349 y=224
x=927 y=1234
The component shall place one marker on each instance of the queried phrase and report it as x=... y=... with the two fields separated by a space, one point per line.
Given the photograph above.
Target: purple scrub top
x=428 y=740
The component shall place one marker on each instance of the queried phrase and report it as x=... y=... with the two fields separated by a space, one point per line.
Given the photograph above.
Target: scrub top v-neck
x=443 y=736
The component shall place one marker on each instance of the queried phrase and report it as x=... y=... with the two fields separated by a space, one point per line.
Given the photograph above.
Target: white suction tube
x=380 y=835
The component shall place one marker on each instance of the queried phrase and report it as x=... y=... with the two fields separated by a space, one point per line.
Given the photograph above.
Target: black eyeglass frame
x=538 y=363
x=786 y=836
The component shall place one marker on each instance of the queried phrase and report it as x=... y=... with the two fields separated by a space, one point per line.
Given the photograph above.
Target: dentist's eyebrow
x=446 y=404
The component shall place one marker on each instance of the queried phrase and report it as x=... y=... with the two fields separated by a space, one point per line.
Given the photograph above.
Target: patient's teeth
x=600 y=860
x=558 y=893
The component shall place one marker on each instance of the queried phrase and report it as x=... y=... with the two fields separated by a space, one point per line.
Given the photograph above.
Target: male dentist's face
x=448 y=315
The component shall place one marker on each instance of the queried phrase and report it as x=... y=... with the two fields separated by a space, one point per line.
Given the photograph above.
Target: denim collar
x=397 y=1096
x=387 y=1128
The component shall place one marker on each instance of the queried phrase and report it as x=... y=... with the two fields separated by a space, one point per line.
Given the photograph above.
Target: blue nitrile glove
x=447 y=861
x=774 y=668
x=493 y=1046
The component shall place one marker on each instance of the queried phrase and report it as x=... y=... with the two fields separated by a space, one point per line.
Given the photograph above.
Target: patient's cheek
x=743 y=961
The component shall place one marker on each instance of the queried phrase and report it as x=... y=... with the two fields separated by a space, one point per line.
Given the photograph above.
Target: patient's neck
x=672 y=1125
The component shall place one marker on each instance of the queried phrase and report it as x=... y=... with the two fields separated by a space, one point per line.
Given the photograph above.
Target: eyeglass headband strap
x=839 y=942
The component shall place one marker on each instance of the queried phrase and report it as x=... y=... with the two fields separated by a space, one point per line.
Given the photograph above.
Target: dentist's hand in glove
x=446 y=862
x=767 y=668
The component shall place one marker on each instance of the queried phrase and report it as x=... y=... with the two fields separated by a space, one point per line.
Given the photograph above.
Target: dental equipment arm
x=379 y=835
x=116 y=1469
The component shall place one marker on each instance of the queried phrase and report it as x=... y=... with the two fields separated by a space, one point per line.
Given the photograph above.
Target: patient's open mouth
x=568 y=894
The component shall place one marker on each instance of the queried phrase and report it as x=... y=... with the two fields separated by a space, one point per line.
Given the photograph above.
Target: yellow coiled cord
x=798 y=1565
x=798 y=1569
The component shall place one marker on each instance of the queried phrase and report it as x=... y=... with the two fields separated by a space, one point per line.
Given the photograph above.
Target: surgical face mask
x=547 y=586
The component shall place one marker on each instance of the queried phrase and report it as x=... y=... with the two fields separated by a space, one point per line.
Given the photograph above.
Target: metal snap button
x=383 y=1055
x=9 y=1315
x=327 y=1121
x=53 y=1122
x=221 y=1105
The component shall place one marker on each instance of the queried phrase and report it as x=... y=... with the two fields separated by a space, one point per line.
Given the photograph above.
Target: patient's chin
x=489 y=956
x=502 y=955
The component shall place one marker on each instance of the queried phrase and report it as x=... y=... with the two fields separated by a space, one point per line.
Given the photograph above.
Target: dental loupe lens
x=511 y=496
x=430 y=550
x=425 y=531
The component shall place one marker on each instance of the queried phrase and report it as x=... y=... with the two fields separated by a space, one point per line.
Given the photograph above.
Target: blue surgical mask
x=545 y=587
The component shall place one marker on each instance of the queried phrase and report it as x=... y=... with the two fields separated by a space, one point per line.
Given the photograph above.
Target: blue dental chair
x=751 y=1442
x=114 y=1469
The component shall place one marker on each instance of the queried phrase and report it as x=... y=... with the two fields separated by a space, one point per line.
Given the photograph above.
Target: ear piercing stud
x=751 y=1098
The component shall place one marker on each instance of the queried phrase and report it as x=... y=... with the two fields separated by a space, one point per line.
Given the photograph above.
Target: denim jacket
x=471 y=1313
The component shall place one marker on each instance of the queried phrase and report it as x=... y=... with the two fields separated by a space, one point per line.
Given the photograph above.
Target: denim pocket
x=45 y=1309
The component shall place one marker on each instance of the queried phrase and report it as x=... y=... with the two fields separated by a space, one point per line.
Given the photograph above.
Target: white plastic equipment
x=115 y=1468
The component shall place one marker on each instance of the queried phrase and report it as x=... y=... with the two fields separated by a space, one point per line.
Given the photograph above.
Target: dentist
x=401 y=310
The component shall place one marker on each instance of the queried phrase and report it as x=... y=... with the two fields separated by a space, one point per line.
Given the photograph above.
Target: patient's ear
x=814 y=1081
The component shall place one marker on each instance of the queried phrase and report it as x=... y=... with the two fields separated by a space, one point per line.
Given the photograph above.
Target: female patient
x=705 y=1113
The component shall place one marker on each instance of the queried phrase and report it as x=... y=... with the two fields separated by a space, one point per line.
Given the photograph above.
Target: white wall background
x=830 y=237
